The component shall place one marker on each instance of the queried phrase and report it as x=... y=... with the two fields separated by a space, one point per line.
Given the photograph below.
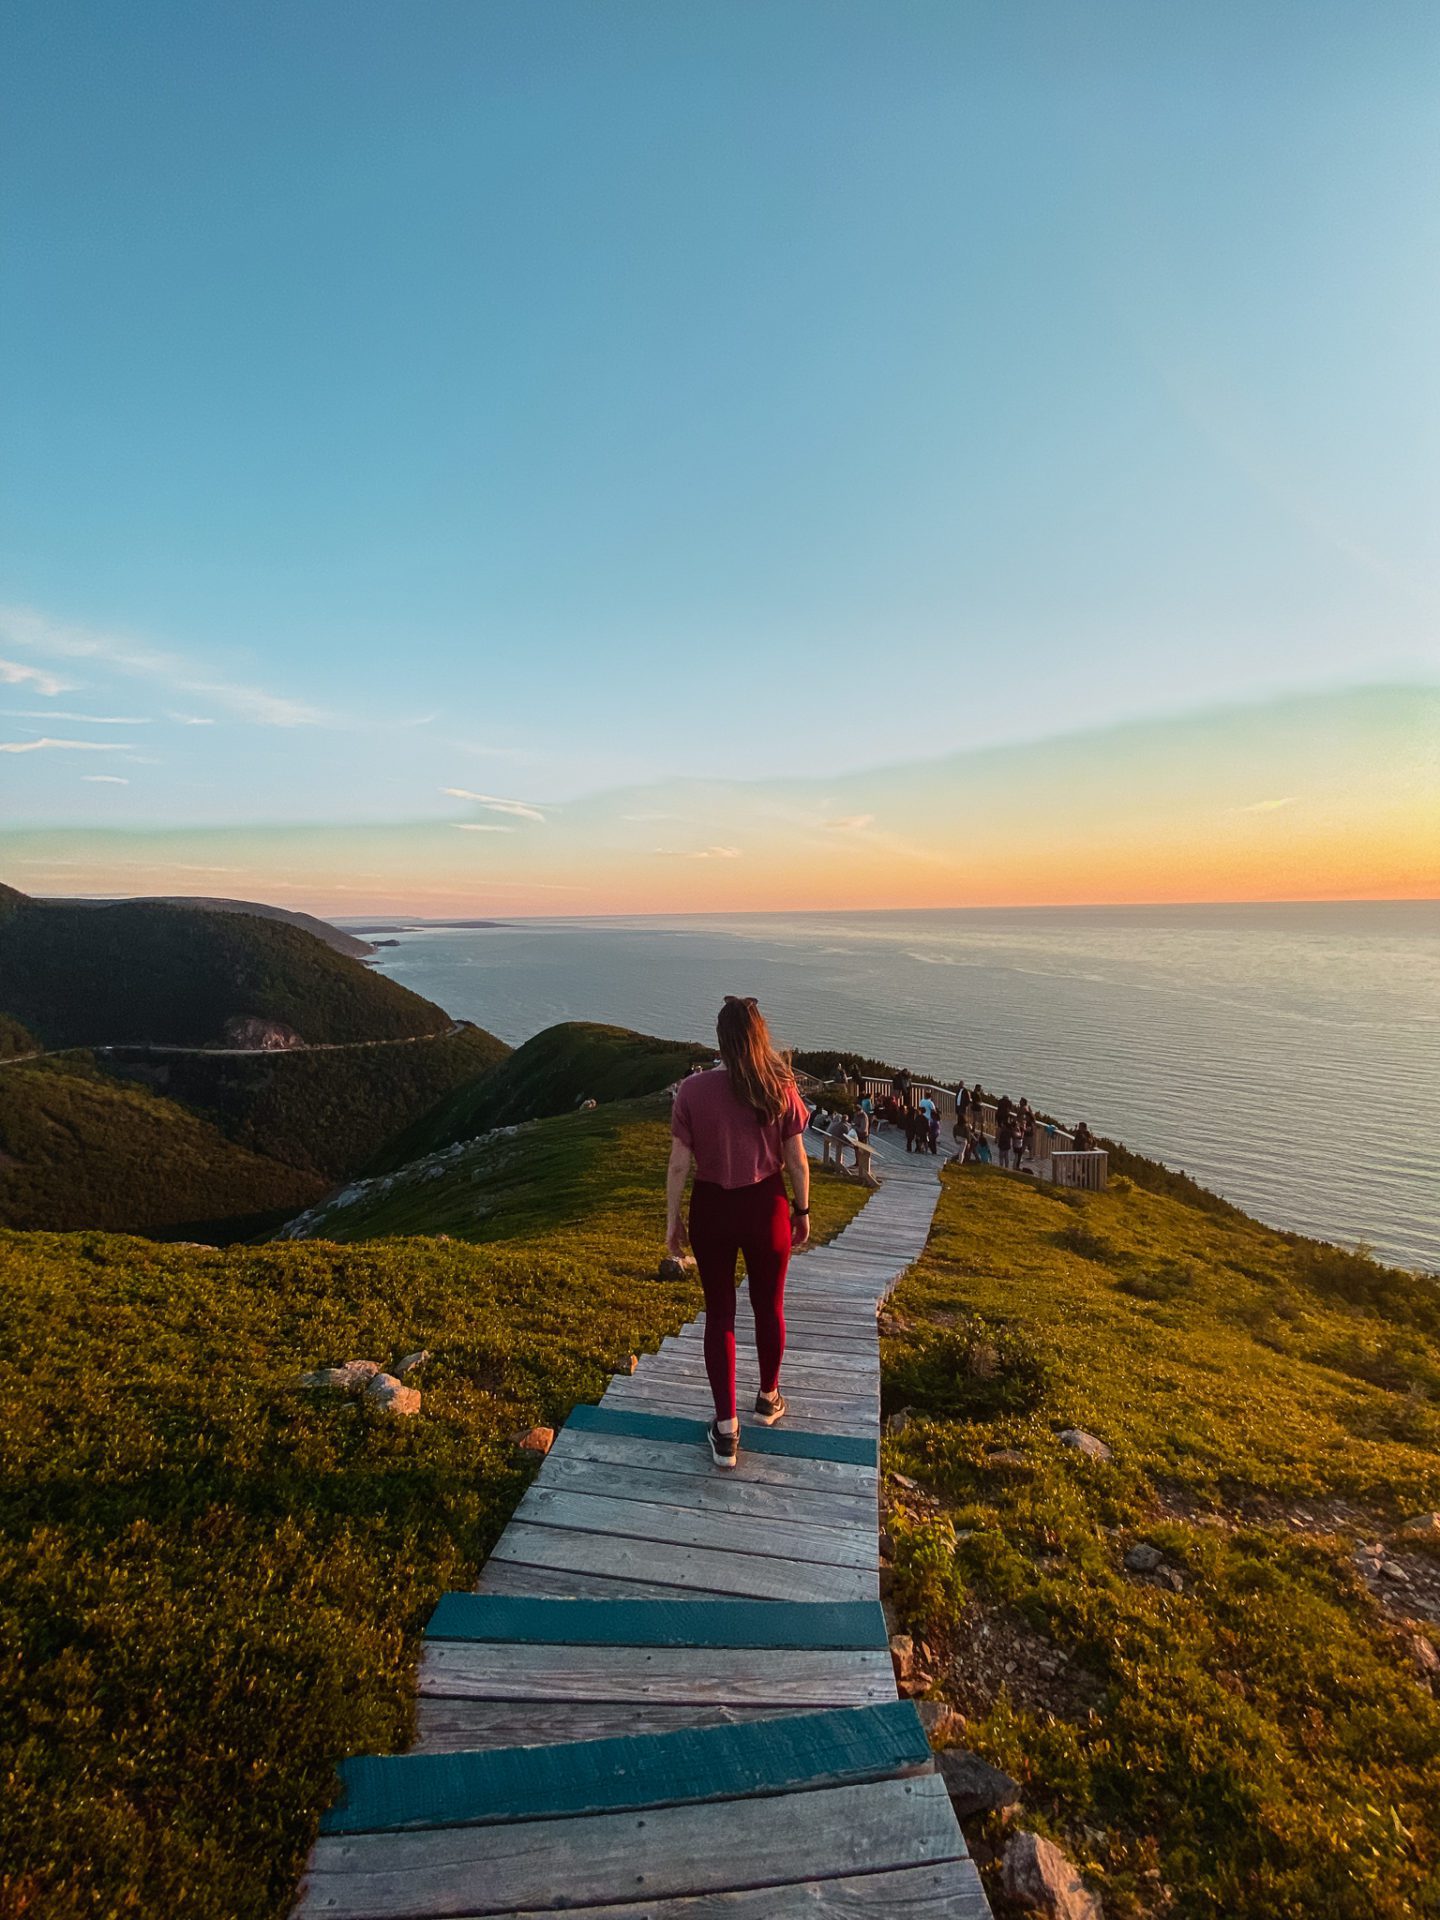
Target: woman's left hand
x=799 y=1229
x=675 y=1238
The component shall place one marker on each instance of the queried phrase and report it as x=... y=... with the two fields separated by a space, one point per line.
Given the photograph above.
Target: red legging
x=755 y=1221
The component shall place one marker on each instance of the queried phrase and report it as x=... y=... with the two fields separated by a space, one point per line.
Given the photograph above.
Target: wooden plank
x=466 y=1726
x=394 y=1792
x=852 y=1546
x=659 y=1623
x=745 y=1575
x=708 y=1493
x=563 y=1583
x=857 y=1451
x=804 y=1357
x=739 y=1676
x=950 y=1890
x=818 y=1380
x=690 y=1461
x=799 y=1423
x=639 y=1389
x=721 y=1846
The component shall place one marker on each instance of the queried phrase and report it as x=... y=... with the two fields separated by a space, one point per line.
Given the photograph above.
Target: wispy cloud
x=1266 y=806
x=106 y=779
x=23 y=627
x=856 y=823
x=522 y=809
x=478 y=826
x=191 y=719
x=714 y=853
x=13 y=674
x=69 y=746
x=89 y=719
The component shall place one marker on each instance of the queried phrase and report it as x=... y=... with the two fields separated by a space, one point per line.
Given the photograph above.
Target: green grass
x=1259 y=1743
x=78 y=1149
x=550 y=1074
x=211 y=1586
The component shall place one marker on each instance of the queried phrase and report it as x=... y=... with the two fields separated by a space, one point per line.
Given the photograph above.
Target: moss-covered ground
x=212 y=1585
x=1245 y=1731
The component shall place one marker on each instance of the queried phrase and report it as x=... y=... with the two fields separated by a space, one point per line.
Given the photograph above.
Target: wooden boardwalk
x=671 y=1696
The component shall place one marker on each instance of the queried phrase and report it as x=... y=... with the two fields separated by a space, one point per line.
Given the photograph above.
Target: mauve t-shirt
x=730 y=1143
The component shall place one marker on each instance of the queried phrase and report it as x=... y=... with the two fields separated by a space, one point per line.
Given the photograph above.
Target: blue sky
x=536 y=399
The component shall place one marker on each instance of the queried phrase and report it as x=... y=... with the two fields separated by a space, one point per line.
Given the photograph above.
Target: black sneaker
x=769 y=1407
x=724 y=1447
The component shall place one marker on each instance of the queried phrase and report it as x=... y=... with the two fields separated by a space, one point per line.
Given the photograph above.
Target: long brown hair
x=759 y=1075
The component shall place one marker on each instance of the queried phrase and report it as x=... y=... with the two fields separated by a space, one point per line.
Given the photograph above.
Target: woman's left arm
x=676 y=1174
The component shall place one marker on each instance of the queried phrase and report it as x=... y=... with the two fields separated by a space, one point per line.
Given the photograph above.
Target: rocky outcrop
x=1037 y=1876
x=253 y=1031
x=974 y=1786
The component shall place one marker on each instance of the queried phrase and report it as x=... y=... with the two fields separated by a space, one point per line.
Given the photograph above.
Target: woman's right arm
x=676 y=1174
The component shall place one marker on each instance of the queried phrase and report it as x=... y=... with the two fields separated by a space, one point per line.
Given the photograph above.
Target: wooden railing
x=1054 y=1157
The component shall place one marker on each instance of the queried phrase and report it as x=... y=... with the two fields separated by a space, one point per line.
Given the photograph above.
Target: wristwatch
x=795 y=1209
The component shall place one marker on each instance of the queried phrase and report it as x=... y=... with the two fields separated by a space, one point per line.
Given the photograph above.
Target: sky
x=604 y=456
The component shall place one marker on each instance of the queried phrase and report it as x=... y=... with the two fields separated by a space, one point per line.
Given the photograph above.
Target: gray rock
x=1422 y=1651
x=1423 y=1523
x=898 y=1422
x=390 y=1395
x=412 y=1363
x=1036 y=1875
x=974 y=1786
x=1392 y=1570
x=1086 y=1443
x=353 y=1377
x=1143 y=1558
x=1005 y=1457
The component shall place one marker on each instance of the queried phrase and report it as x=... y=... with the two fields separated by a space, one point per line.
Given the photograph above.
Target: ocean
x=1287 y=1056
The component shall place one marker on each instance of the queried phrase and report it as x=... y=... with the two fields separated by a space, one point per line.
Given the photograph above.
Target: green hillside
x=149 y=971
x=1250 y=1727
x=330 y=1113
x=78 y=1149
x=551 y=1074
x=211 y=1586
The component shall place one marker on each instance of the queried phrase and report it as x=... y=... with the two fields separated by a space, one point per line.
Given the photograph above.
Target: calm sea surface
x=1288 y=1056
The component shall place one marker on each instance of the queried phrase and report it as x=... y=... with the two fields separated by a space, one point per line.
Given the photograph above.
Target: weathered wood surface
x=719 y=1846
x=740 y=1676
x=949 y=1891
x=465 y=1726
x=757 y=1469
x=698 y=1569
x=708 y=1493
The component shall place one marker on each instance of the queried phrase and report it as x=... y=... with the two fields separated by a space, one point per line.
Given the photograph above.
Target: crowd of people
x=1009 y=1138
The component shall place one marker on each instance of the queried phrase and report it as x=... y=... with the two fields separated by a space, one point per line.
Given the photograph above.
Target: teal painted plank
x=386 y=1792
x=842 y=1625
x=855 y=1449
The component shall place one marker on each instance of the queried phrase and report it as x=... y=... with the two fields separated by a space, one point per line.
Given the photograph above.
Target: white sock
x=728 y=1426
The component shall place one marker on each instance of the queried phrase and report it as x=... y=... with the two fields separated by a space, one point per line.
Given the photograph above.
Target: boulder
x=1086 y=1443
x=412 y=1363
x=1143 y=1558
x=536 y=1440
x=974 y=1786
x=1037 y=1876
x=1423 y=1526
x=352 y=1377
x=1005 y=1457
x=902 y=1653
x=1422 y=1651
x=898 y=1422
x=390 y=1395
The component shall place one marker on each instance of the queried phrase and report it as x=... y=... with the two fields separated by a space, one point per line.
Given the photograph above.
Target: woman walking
x=742 y=1130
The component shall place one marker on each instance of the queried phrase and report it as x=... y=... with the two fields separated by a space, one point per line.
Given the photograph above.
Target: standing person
x=839 y=1132
x=742 y=1132
x=900 y=1087
x=962 y=1104
x=1027 y=1139
x=929 y=1123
